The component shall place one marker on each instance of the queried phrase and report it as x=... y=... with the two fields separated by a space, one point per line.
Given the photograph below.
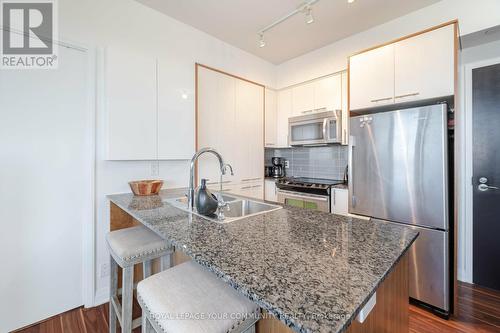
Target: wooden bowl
x=146 y=187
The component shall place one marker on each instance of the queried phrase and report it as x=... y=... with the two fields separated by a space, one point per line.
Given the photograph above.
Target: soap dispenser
x=206 y=203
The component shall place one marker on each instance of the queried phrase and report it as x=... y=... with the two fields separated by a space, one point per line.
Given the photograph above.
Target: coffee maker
x=278 y=168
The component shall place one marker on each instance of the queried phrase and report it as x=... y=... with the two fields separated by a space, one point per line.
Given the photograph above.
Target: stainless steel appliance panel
x=315 y=129
x=429 y=268
x=398 y=164
x=304 y=200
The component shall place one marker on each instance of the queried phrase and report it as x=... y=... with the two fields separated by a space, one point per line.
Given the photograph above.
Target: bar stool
x=188 y=299
x=128 y=247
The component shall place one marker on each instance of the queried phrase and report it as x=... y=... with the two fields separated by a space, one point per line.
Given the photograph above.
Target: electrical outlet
x=155 y=168
x=105 y=270
x=287 y=165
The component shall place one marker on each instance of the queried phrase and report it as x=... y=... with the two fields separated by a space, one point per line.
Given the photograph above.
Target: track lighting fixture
x=305 y=7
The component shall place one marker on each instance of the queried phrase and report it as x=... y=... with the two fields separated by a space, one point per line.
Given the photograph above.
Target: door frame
x=466 y=210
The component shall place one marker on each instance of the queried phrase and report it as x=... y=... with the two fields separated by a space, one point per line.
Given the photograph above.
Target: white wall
x=472 y=15
x=97 y=23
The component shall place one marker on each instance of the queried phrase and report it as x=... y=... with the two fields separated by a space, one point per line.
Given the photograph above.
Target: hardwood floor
x=479 y=311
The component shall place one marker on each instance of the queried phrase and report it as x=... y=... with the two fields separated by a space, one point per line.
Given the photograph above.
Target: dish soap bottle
x=206 y=203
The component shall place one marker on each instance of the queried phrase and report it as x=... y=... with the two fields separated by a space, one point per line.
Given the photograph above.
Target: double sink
x=237 y=208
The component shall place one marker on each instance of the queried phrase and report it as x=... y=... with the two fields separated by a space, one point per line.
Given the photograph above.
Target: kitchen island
x=312 y=271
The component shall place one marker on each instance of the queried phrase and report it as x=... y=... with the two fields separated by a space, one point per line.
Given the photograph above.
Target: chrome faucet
x=223 y=168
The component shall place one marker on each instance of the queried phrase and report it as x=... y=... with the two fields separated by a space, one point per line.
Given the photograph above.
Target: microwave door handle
x=339 y=126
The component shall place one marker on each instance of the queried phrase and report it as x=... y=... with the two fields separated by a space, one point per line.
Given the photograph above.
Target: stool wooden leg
x=127 y=298
x=146 y=269
x=113 y=287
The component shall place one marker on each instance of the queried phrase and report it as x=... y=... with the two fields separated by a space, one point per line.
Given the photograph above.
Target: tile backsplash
x=317 y=162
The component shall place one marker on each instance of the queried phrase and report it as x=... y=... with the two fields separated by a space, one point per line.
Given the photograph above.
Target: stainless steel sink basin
x=184 y=199
x=238 y=208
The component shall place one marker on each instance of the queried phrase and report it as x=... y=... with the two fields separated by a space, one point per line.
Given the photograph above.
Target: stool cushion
x=188 y=298
x=135 y=244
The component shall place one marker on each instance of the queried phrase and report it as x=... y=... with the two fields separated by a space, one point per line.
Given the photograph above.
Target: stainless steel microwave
x=315 y=129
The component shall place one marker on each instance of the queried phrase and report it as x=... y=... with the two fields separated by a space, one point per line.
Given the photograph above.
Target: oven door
x=304 y=200
x=307 y=132
x=334 y=128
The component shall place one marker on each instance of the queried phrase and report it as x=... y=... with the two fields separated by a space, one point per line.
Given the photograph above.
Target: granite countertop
x=312 y=270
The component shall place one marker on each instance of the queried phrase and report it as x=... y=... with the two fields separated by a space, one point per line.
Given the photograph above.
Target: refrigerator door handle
x=352 y=144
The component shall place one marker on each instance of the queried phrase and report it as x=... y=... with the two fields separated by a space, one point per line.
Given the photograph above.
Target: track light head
x=262 y=42
x=309 y=16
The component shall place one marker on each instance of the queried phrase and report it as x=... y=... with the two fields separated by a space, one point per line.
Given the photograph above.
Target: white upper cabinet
x=416 y=68
x=303 y=99
x=149 y=114
x=424 y=65
x=270 y=118
x=231 y=120
x=175 y=111
x=130 y=102
x=283 y=113
x=328 y=93
x=372 y=78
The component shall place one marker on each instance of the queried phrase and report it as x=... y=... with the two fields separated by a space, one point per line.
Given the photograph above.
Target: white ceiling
x=237 y=21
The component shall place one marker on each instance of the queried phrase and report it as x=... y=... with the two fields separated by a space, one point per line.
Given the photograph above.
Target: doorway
x=486 y=175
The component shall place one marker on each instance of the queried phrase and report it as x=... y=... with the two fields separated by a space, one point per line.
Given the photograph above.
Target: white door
x=46 y=154
x=303 y=99
x=282 y=115
x=175 y=109
x=339 y=200
x=270 y=118
x=425 y=65
x=131 y=98
x=371 y=78
x=328 y=93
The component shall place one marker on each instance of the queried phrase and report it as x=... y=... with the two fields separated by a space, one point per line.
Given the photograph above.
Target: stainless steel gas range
x=310 y=193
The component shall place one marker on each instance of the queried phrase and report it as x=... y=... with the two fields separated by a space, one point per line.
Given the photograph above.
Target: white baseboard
x=101 y=296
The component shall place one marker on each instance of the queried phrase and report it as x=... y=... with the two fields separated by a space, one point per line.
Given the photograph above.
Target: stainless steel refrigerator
x=399 y=174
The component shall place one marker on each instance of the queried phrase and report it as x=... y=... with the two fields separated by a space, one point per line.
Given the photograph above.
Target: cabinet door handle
x=246 y=187
x=381 y=99
x=407 y=95
x=334 y=198
x=345 y=136
x=308 y=111
x=250 y=179
x=256 y=186
x=269 y=144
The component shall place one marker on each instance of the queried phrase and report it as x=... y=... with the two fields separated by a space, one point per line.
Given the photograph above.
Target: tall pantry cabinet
x=230 y=118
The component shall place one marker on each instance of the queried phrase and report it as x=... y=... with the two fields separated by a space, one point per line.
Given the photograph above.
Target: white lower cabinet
x=270 y=190
x=339 y=201
x=251 y=189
